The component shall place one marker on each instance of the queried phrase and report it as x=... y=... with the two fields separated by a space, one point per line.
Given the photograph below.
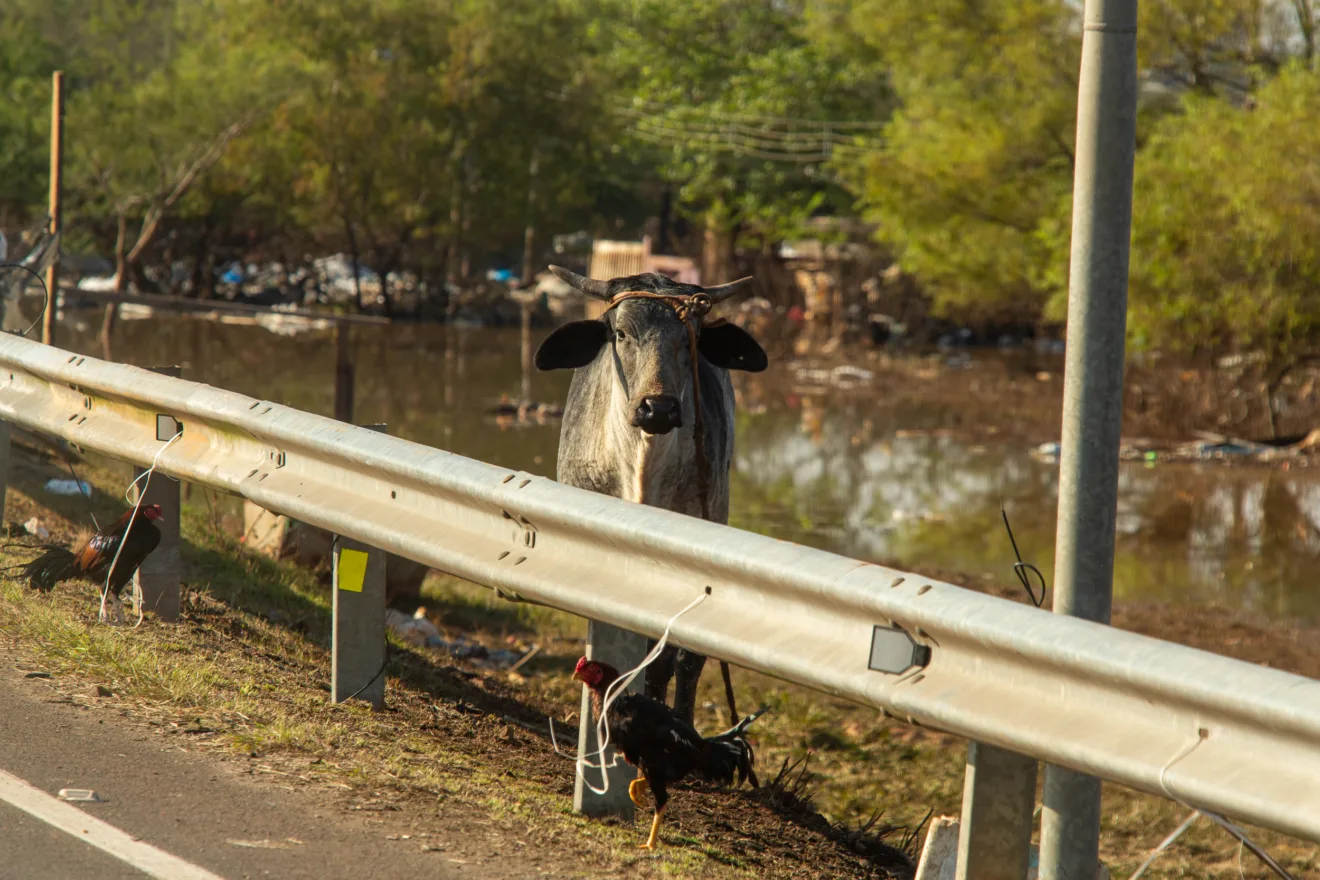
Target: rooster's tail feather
x=55 y=565
x=729 y=758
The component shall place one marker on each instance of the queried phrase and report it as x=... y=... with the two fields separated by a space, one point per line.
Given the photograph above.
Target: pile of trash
x=844 y=377
x=521 y=413
x=1208 y=447
x=418 y=630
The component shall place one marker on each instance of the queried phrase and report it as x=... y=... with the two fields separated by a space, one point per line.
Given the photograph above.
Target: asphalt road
x=190 y=805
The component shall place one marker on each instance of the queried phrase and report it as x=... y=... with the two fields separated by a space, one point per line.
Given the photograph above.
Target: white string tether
x=137 y=505
x=612 y=692
x=1230 y=827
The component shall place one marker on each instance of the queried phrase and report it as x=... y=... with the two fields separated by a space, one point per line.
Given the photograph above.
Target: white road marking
x=92 y=831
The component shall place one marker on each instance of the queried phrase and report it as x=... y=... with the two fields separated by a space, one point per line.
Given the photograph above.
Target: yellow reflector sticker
x=352 y=570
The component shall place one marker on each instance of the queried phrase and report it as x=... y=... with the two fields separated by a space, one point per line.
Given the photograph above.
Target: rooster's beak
x=576 y=677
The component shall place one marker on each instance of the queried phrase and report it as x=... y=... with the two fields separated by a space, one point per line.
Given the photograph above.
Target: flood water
x=843 y=472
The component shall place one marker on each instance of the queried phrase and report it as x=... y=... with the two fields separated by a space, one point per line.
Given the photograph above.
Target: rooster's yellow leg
x=655 y=832
x=638 y=788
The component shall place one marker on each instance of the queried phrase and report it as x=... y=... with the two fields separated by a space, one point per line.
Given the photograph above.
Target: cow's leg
x=687 y=674
x=660 y=672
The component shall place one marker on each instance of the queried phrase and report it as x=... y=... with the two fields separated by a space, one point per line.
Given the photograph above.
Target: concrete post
x=999 y=796
x=358 y=649
x=1093 y=386
x=357 y=653
x=156 y=583
x=623 y=650
x=5 y=431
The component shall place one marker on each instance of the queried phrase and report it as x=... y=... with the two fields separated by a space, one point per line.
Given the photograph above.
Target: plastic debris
x=58 y=486
x=80 y=796
x=415 y=629
x=1047 y=452
x=36 y=529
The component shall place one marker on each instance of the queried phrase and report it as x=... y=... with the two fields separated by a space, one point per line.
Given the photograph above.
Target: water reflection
x=868 y=487
x=858 y=476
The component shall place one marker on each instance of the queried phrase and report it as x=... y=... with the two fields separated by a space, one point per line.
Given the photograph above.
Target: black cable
x=374 y=678
x=86 y=493
x=44 y=290
x=1022 y=569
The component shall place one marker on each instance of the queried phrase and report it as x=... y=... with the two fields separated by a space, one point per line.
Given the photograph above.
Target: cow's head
x=649 y=345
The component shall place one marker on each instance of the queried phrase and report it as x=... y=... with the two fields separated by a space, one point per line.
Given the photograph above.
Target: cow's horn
x=724 y=291
x=589 y=286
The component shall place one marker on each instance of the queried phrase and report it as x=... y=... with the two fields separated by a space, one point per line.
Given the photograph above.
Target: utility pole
x=1093 y=387
x=56 y=184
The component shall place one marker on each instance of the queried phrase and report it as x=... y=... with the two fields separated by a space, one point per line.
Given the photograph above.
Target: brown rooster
x=662 y=746
x=92 y=560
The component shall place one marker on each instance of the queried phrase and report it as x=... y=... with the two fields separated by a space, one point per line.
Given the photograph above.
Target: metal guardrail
x=1215 y=733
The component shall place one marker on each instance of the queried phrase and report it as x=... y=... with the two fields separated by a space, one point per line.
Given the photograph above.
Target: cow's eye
x=620 y=335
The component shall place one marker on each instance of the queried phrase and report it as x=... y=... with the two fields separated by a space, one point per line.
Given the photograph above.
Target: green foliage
x=980 y=153
x=1226 y=228
x=725 y=90
x=427 y=134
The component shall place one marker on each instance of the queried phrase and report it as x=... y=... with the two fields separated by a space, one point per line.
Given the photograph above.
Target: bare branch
x=186 y=177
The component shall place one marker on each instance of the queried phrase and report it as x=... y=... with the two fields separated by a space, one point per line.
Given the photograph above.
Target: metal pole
x=999 y=797
x=56 y=183
x=358 y=650
x=156 y=584
x=1093 y=386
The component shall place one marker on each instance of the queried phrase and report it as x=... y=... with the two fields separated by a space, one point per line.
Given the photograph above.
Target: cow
x=629 y=426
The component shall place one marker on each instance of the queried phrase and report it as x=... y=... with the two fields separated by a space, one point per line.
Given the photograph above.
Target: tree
x=171 y=88
x=978 y=157
x=734 y=103
x=1226 y=227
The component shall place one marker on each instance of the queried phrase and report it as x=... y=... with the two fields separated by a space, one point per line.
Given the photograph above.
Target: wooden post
x=156 y=583
x=56 y=182
x=529 y=234
x=343 y=374
x=358 y=650
x=526 y=351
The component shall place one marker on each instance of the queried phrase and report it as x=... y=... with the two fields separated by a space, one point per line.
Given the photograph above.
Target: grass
x=246 y=674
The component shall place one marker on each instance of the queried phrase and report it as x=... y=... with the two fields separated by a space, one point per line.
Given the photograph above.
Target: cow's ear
x=572 y=345
x=733 y=348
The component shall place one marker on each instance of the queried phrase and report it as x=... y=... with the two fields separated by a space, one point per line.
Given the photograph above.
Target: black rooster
x=92 y=560
x=662 y=747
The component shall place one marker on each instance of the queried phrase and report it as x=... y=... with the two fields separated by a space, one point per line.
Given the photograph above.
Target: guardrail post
x=5 y=431
x=358 y=649
x=999 y=797
x=1093 y=387
x=623 y=650
x=156 y=583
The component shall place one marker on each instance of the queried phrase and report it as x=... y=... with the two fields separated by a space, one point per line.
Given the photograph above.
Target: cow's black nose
x=658 y=414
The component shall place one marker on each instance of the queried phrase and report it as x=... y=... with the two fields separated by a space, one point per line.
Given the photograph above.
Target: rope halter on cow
x=690 y=309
